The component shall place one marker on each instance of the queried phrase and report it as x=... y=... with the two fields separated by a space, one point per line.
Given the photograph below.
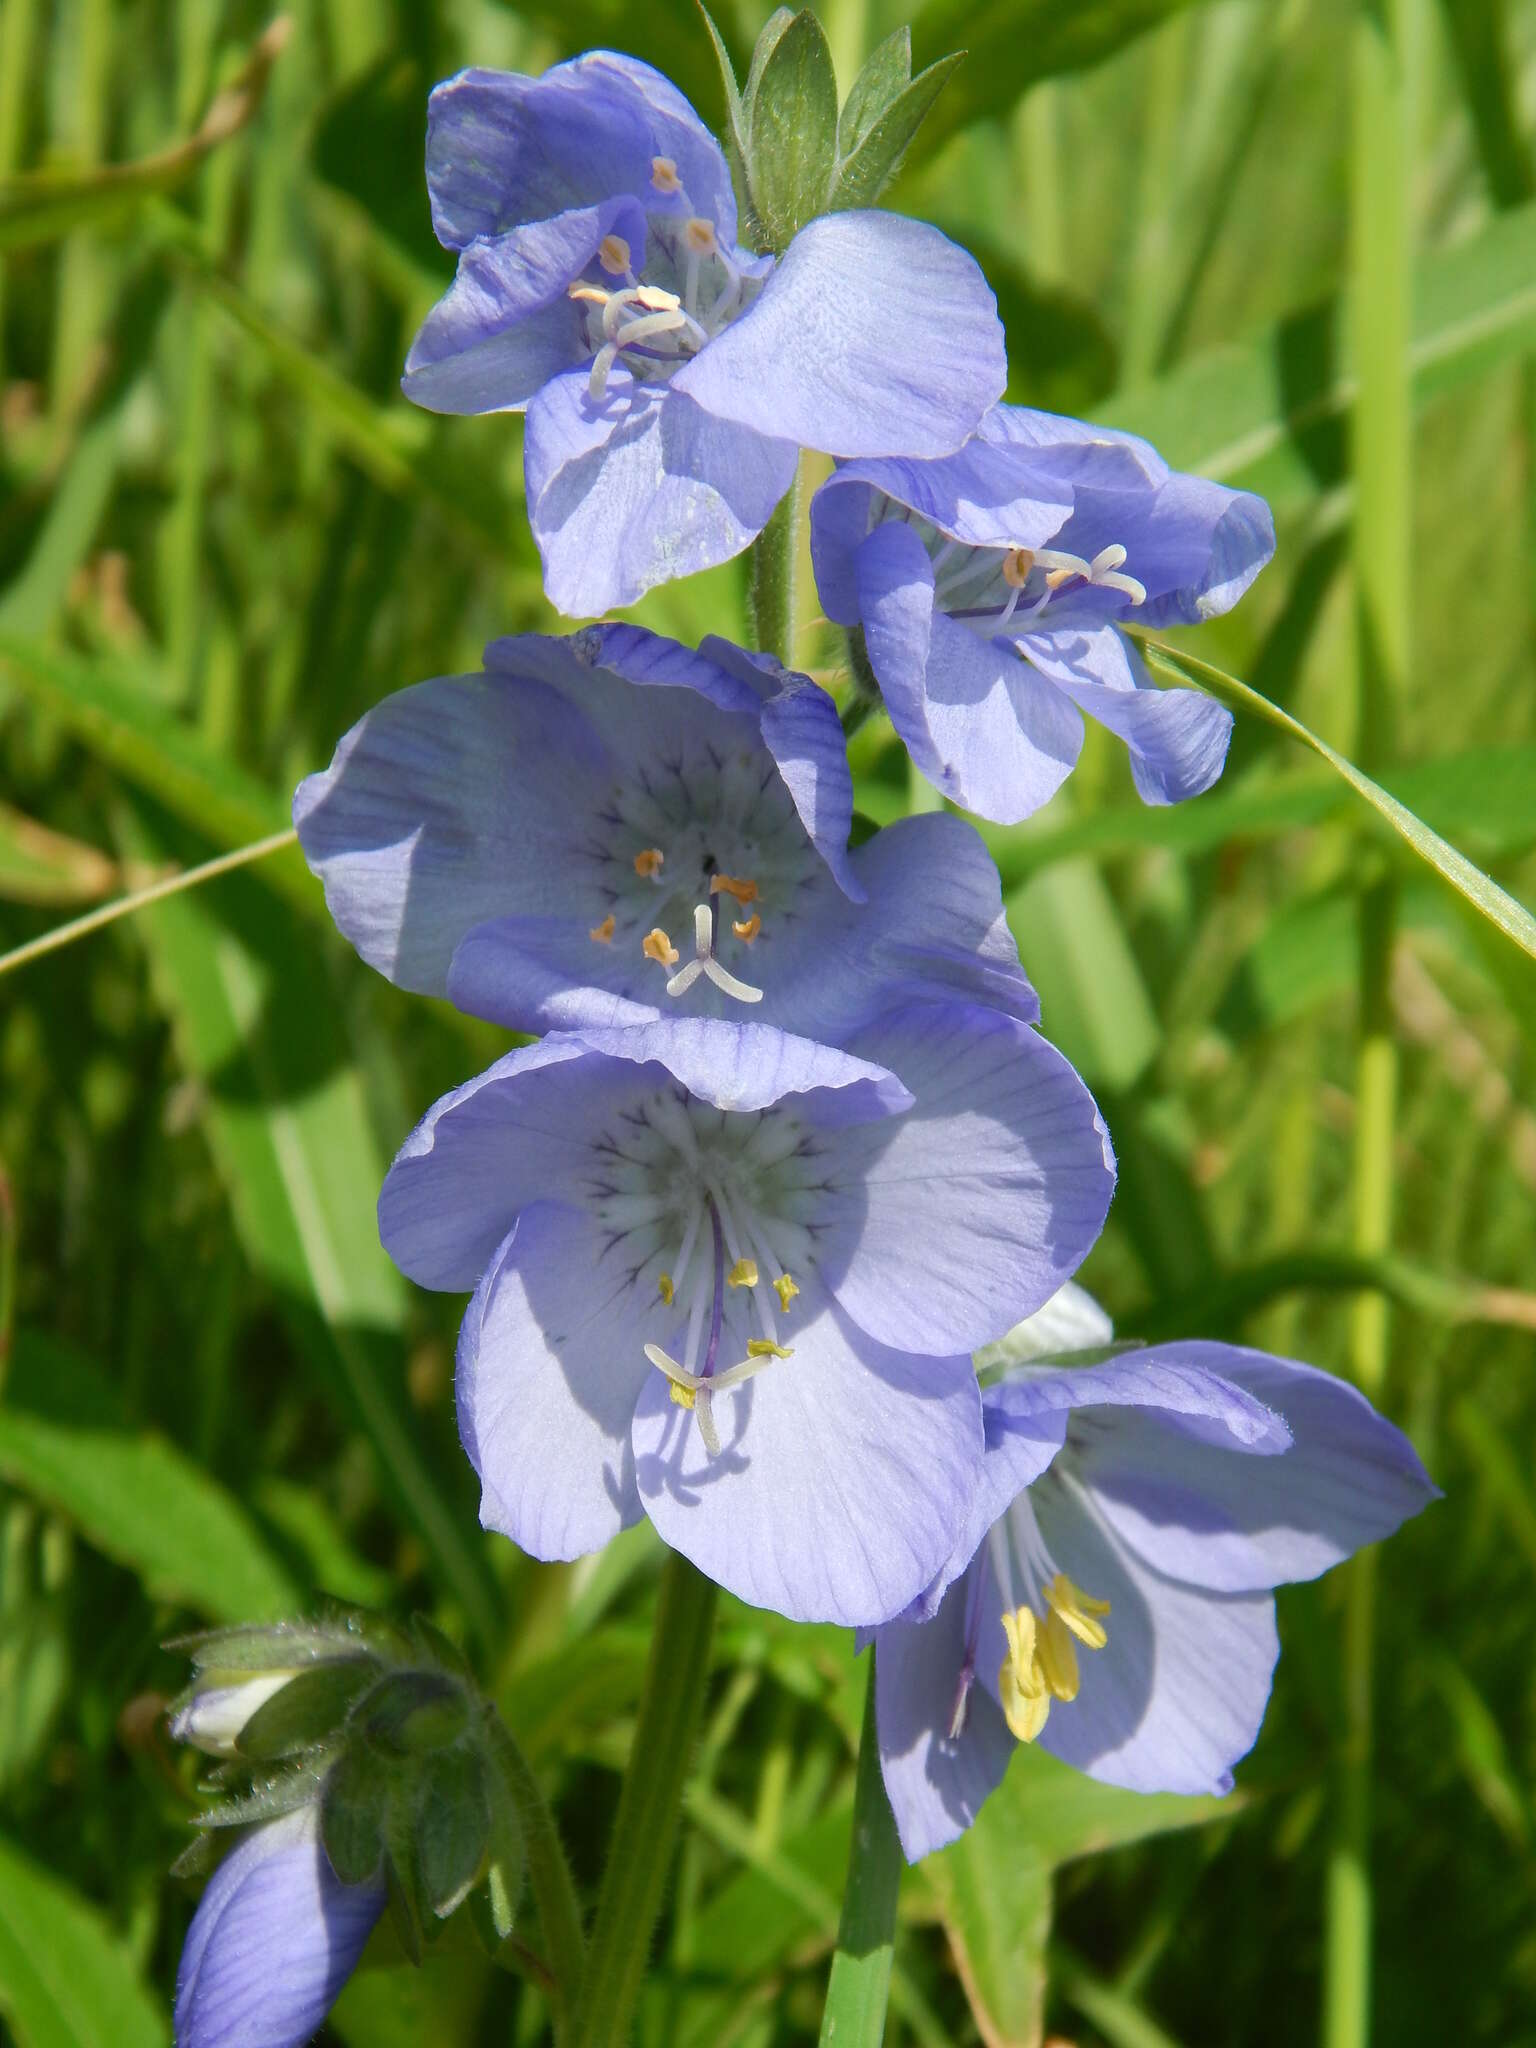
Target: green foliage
x=223 y=535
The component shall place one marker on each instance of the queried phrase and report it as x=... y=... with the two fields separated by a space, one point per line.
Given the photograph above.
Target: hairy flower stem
x=772 y=593
x=640 y=1847
x=549 y=1875
x=854 y=2014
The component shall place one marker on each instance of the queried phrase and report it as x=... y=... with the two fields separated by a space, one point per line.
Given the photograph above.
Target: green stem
x=549 y=1874
x=854 y=2014
x=640 y=1847
x=772 y=593
x=123 y=906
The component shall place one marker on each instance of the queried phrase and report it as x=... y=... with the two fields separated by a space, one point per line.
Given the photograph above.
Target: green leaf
x=289 y=1131
x=864 y=175
x=792 y=130
x=135 y=1497
x=993 y=1885
x=453 y=1828
x=116 y=715
x=886 y=74
x=1014 y=44
x=1485 y=895
x=352 y=1813
x=38 y=865
x=66 y=1980
x=45 y=205
x=1096 y=1004
x=1268 y=414
x=307 y=1710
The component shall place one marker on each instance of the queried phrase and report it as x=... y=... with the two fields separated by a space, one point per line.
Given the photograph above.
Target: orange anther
x=603 y=933
x=648 y=862
x=748 y=931
x=744 y=891
x=658 y=947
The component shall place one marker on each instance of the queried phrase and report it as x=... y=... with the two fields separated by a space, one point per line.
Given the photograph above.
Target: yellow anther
x=744 y=890
x=700 y=237
x=613 y=255
x=764 y=1347
x=1021 y=1684
x=1077 y=1611
x=603 y=933
x=786 y=1290
x=658 y=947
x=1056 y=1656
x=648 y=861
x=652 y=299
x=665 y=1288
x=682 y=1396
x=1017 y=564
x=664 y=175
x=593 y=292
x=1054 y=578
x=748 y=930
x=742 y=1274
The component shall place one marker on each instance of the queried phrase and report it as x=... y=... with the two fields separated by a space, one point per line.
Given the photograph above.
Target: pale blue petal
x=843 y=1475
x=1181 y=1382
x=435 y=815
x=639 y=487
x=983 y=727
x=951 y=1223
x=1178 y=738
x=503 y=148
x=550 y=1366
x=874 y=335
x=805 y=737
x=506 y=324
x=1178 y=1694
x=1235 y=1524
x=936 y=1783
x=274 y=1939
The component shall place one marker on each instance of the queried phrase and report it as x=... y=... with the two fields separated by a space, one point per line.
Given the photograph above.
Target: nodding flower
x=1111 y=1596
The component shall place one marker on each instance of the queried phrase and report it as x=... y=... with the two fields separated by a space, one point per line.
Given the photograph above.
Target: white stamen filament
x=706 y=964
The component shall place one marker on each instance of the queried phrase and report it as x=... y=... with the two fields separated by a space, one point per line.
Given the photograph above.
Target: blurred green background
x=223 y=535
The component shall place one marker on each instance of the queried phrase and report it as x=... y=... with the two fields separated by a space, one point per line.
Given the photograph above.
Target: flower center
x=1003 y=590
x=689 y=290
x=717 y=1203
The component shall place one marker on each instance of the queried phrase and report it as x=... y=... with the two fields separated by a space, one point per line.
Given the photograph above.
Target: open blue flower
x=275 y=1937
x=731 y=1279
x=670 y=377
x=990 y=586
x=1111 y=1597
x=609 y=828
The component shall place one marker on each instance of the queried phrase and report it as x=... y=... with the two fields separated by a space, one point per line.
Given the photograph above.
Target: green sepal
x=886 y=74
x=308 y=1710
x=410 y=1713
x=768 y=40
x=407 y=1904
x=273 y=1648
x=440 y=1649
x=196 y=1860
x=277 y=1793
x=735 y=137
x=352 y=1812
x=791 y=109
x=508 y=1866
x=875 y=158
x=453 y=1828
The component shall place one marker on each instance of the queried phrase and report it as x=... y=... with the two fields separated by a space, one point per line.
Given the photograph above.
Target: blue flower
x=731 y=1279
x=609 y=828
x=275 y=1937
x=671 y=377
x=990 y=586
x=1111 y=1597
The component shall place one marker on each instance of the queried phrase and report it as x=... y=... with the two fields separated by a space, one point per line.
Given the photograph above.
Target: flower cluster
x=788 y=1155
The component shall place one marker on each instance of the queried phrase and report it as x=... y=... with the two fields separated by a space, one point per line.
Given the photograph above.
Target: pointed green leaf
x=66 y=1978
x=792 y=130
x=886 y=73
x=1496 y=904
x=864 y=174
